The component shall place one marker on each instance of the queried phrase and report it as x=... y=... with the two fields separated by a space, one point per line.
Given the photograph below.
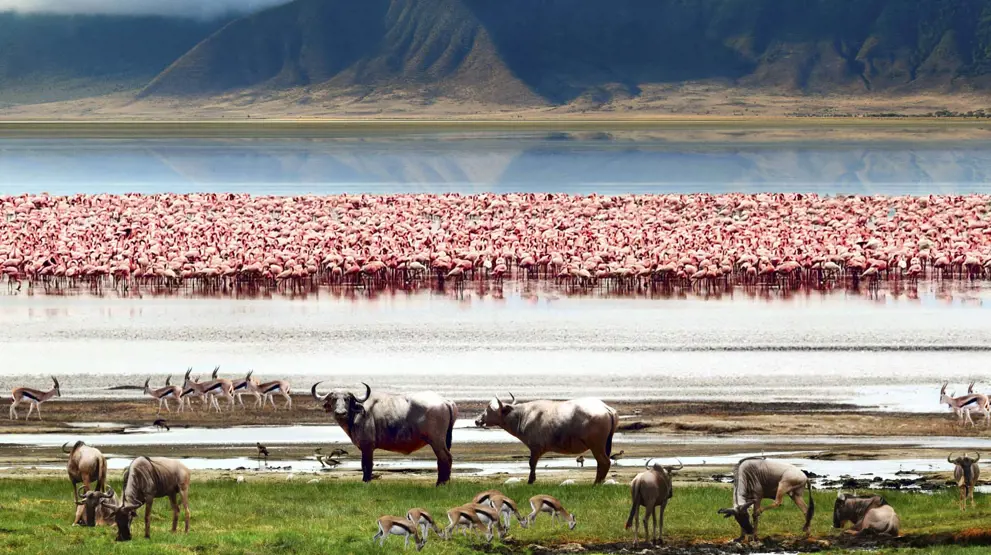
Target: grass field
x=298 y=517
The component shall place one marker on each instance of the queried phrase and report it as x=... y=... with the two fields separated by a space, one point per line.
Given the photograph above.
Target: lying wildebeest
x=756 y=479
x=652 y=489
x=568 y=427
x=397 y=423
x=96 y=508
x=86 y=465
x=870 y=514
x=145 y=480
x=966 y=472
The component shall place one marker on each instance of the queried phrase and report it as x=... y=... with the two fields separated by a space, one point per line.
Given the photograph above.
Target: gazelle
x=194 y=388
x=394 y=525
x=163 y=394
x=226 y=387
x=268 y=390
x=507 y=510
x=966 y=404
x=551 y=506
x=422 y=518
x=247 y=386
x=33 y=396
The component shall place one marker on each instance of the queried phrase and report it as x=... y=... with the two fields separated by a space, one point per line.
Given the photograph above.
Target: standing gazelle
x=269 y=389
x=163 y=394
x=33 y=396
x=966 y=404
x=394 y=525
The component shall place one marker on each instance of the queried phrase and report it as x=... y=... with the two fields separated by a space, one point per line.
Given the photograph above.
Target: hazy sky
x=188 y=8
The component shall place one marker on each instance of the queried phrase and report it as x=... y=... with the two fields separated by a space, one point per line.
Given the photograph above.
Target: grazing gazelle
x=394 y=525
x=33 y=396
x=163 y=394
x=425 y=521
x=550 y=505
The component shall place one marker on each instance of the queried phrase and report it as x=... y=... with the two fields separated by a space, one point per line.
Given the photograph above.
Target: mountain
x=512 y=53
x=556 y=51
x=59 y=57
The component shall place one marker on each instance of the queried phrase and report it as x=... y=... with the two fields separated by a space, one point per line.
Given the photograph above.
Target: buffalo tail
x=612 y=430
x=812 y=501
x=450 y=425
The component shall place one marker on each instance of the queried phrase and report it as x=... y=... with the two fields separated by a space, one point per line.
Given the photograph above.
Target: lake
x=888 y=349
x=488 y=162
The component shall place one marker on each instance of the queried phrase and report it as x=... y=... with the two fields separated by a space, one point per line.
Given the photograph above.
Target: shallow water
x=888 y=350
x=497 y=162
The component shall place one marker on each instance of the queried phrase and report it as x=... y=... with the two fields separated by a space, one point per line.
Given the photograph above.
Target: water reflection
x=496 y=163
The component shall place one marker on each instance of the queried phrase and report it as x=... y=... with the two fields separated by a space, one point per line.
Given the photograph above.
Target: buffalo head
x=495 y=413
x=741 y=515
x=342 y=404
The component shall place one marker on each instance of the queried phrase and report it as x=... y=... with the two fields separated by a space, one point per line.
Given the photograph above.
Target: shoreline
x=774 y=128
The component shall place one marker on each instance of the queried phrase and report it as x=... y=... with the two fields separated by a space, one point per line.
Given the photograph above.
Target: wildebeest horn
x=680 y=466
x=63 y=447
x=949 y=458
x=647 y=466
x=81 y=490
x=313 y=391
x=978 y=456
x=726 y=512
x=109 y=493
x=368 y=393
x=512 y=398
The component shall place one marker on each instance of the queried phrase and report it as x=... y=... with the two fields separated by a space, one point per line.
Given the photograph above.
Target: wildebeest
x=96 y=507
x=652 y=490
x=86 y=465
x=870 y=514
x=567 y=427
x=397 y=423
x=147 y=479
x=966 y=473
x=756 y=479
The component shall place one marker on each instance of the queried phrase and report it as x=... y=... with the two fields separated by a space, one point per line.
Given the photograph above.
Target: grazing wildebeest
x=966 y=472
x=86 y=465
x=756 y=479
x=397 y=423
x=868 y=514
x=652 y=490
x=147 y=479
x=567 y=427
x=96 y=507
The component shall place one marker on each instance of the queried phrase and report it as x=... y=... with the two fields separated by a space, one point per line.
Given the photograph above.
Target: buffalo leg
x=148 y=519
x=534 y=458
x=800 y=503
x=602 y=464
x=444 y=463
x=366 y=465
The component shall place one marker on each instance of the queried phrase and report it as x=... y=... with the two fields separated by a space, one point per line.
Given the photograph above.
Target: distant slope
x=55 y=57
x=344 y=44
x=560 y=51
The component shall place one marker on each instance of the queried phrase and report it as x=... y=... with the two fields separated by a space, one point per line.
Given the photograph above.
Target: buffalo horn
x=368 y=393
x=313 y=390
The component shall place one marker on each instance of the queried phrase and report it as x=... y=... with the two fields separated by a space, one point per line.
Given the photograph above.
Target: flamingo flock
x=697 y=240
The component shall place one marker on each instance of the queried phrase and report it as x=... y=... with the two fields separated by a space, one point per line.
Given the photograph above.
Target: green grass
x=339 y=517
